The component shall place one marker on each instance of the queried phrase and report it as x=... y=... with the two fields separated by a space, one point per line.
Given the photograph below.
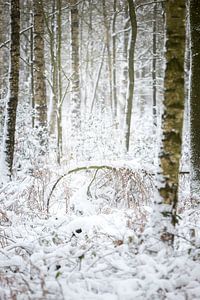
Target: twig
x=21 y=32
x=93 y=179
x=74 y=171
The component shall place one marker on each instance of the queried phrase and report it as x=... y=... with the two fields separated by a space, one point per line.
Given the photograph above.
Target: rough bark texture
x=114 y=73
x=125 y=55
x=195 y=95
x=60 y=92
x=172 y=119
x=154 y=64
x=131 y=50
x=109 y=57
x=1 y=53
x=53 y=33
x=2 y=66
x=1 y=69
x=39 y=67
x=32 y=75
x=75 y=99
x=11 y=109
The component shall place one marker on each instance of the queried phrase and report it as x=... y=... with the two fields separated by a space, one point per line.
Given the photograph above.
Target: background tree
x=172 y=119
x=40 y=100
x=126 y=25
x=60 y=89
x=130 y=89
x=154 y=63
x=11 y=107
x=114 y=66
x=106 y=22
x=195 y=96
x=4 y=53
x=52 y=30
x=75 y=60
x=1 y=69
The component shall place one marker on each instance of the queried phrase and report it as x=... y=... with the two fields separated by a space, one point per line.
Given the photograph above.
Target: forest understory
x=99 y=150
x=96 y=242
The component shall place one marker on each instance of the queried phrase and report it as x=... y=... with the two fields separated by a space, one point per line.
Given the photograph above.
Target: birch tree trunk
x=75 y=78
x=125 y=56
x=172 y=119
x=11 y=107
x=39 y=71
x=195 y=96
x=154 y=65
x=1 y=69
x=130 y=89
x=114 y=73
x=60 y=91
x=32 y=74
x=54 y=68
x=109 y=59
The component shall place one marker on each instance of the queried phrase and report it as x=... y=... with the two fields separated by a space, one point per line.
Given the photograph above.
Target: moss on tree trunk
x=172 y=119
x=11 y=108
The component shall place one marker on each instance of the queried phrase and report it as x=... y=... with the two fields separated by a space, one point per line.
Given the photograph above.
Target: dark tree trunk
x=39 y=69
x=131 y=51
x=195 y=96
x=11 y=108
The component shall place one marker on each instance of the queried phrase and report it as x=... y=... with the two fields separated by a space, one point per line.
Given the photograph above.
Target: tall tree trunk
x=32 y=74
x=195 y=96
x=39 y=70
x=60 y=92
x=114 y=73
x=75 y=78
x=172 y=119
x=125 y=57
x=54 y=69
x=131 y=50
x=154 y=65
x=1 y=70
x=89 y=69
x=11 y=108
x=107 y=42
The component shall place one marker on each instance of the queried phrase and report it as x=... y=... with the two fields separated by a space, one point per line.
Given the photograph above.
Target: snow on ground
x=93 y=257
x=92 y=253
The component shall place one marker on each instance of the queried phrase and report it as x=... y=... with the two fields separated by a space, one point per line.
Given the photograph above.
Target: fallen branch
x=74 y=171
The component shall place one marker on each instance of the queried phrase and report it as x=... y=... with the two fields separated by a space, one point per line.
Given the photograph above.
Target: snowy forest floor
x=99 y=248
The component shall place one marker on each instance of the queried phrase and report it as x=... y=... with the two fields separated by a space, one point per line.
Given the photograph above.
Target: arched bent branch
x=74 y=171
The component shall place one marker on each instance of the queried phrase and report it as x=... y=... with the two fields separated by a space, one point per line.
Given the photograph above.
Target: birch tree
x=40 y=101
x=125 y=55
x=154 y=65
x=60 y=91
x=130 y=88
x=108 y=50
x=114 y=73
x=172 y=118
x=11 y=107
x=1 y=68
x=52 y=30
x=195 y=96
x=75 y=80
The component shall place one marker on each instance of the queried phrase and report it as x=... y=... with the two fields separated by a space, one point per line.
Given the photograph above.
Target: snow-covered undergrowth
x=97 y=250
